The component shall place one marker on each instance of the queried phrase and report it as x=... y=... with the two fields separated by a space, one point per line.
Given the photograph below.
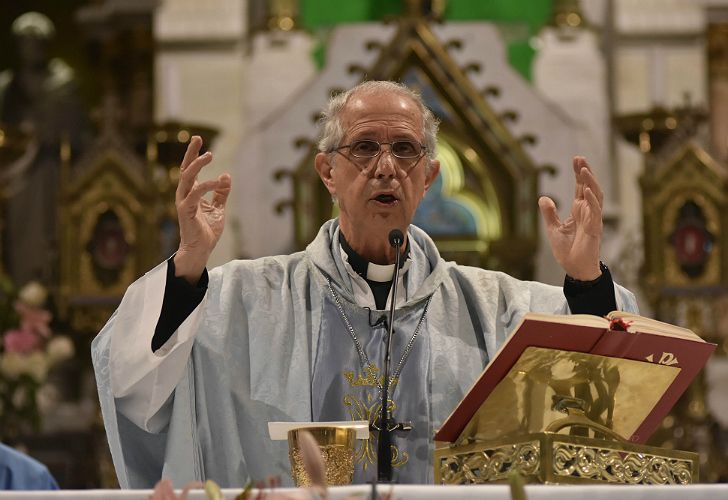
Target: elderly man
x=192 y=366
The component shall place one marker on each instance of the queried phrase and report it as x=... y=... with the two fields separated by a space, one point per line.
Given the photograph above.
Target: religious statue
x=39 y=98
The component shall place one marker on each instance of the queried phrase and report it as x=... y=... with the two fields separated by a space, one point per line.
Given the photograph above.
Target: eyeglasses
x=405 y=150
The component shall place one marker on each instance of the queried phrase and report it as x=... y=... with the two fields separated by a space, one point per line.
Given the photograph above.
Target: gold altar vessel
x=337 y=450
x=564 y=417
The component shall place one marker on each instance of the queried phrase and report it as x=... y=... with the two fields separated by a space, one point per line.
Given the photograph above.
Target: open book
x=628 y=371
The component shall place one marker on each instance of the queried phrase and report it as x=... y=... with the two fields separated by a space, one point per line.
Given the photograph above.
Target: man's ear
x=432 y=173
x=325 y=169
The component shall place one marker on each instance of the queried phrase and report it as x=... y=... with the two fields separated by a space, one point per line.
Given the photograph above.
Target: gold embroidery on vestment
x=372 y=378
x=370 y=410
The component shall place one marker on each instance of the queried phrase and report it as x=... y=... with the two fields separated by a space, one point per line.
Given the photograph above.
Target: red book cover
x=688 y=355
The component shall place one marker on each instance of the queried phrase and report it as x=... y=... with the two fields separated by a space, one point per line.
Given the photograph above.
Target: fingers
x=193 y=150
x=585 y=178
x=548 y=211
x=591 y=219
x=192 y=485
x=188 y=175
x=222 y=191
x=163 y=490
x=589 y=181
x=189 y=192
x=199 y=190
x=577 y=164
x=594 y=202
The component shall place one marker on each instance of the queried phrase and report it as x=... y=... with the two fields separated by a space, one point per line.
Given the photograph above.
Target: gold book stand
x=559 y=417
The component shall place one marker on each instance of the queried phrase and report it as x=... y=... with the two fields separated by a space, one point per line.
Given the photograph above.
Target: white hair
x=332 y=131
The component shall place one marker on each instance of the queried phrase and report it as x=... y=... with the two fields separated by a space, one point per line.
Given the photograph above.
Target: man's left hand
x=575 y=242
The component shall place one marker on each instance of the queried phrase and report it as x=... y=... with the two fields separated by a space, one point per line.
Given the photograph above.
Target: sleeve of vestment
x=596 y=297
x=180 y=299
x=142 y=381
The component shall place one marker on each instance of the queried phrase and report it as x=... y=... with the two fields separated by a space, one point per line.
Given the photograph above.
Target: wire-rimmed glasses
x=366 y=149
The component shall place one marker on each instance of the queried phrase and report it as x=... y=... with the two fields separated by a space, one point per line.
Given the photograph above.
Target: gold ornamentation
x=491 y=464
x=369 y=410
x=601 y=398
x=615 y=466
x=336 y=445
x=707 y=202
x=339 y=466
x=372 y=379
x=610 y=389
x=690 y=176
x=549 y=457
x=112 y=180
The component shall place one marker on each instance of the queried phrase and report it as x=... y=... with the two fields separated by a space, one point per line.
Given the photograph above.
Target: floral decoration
x=28 y=351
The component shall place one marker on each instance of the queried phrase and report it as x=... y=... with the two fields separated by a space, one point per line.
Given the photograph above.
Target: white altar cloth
x=411 y=492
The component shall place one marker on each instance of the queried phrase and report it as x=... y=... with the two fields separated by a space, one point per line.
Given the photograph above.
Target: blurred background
x=98 y=99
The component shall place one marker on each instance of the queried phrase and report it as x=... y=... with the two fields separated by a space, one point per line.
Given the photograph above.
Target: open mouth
x=387 y=199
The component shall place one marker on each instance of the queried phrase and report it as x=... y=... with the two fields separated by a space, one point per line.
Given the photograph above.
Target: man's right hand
x=201 y=222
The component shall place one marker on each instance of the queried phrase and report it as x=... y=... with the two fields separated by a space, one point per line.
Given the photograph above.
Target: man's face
x=376 y=195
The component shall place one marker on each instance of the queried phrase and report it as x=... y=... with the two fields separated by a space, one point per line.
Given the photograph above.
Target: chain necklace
x=363 y=358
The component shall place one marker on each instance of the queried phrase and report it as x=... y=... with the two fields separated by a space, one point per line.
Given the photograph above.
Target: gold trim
x=562 y=459
x=690 y=175
x=111 y=179
x=548 y=387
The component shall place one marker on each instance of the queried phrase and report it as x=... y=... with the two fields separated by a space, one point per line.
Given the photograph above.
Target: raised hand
x=575 y=242
x=201 y=222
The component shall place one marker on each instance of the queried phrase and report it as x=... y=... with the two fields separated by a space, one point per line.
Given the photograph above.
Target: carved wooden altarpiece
x=110 y=210
x=685 y=210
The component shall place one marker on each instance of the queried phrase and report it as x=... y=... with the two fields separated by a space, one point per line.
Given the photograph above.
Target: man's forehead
x=384 y=104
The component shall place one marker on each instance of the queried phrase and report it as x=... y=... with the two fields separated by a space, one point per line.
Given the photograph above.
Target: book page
x=564 y=319
x=569 y=319
x=636 y=322
x=639 y=323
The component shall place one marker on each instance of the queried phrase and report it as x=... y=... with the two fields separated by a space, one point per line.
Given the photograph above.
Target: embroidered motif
x=372 y=378
x=369 y=410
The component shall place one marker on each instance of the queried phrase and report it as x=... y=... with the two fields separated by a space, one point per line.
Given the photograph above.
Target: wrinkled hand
x=201 y=222
x=575 y=242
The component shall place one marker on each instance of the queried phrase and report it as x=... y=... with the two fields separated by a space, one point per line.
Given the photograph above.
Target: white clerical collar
x=376 y=272
x=380 y=273
x=369 y=270
x=363 y=293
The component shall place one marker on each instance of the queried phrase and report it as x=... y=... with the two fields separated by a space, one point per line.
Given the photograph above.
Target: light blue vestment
x=273 y=345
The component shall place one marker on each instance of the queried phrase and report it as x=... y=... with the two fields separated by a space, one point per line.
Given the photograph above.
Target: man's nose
x=386 y=163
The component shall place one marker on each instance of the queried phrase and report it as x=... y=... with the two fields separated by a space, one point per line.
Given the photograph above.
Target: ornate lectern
x=561 y=417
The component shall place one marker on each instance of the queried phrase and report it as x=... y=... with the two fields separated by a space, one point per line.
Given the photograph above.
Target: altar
x=425 y=492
